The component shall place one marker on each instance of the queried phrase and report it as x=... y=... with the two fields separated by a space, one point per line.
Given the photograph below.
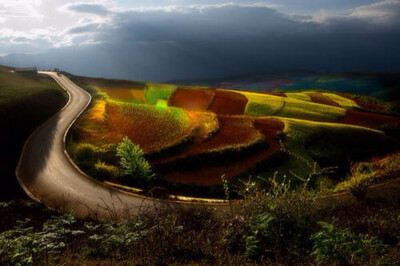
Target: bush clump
x=364 y=174
x=106 y=171
x=134 y=164
x=85 y=152
x=341 y=246
x=280 y=221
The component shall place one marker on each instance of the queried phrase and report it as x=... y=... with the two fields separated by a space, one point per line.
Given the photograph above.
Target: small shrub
x=85 y=152
x=253 y=249
x=280 y=220
x=234 y=233
x=133 y=162
x=261 y=227
x=357 y=185
x=362 y=175
x=105 y=170
x=333 y=245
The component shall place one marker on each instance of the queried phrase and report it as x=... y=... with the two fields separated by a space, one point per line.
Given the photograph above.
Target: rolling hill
x=192 y=135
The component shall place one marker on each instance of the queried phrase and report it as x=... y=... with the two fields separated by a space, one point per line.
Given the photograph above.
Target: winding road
x=47 y=174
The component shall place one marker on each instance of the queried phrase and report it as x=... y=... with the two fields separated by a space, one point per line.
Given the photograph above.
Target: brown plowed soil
x=371 y=106
x=228 y=103
x=318 y=97
x=203 y=172
x=192 y=99
x=234 y=133
x=365 y=105
x=366 y=119
x=211 y=175
x=275 y=93
x=269 y=126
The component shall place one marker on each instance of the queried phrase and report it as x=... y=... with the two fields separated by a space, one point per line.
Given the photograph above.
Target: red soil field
x=365 y=105
x=209 y=175
x=371 y=106
x=269 y=126
x=192 y=99
x=228 y=103
x=150 y=130
x=234 y=133
x=318 y=97
x=366 y=119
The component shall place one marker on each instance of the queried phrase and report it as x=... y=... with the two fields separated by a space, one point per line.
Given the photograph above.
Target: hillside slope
x=25 y=103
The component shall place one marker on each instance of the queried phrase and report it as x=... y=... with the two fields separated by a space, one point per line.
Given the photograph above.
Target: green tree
x=133 y=162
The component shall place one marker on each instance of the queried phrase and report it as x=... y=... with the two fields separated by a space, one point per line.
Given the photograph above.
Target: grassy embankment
x=25 y=103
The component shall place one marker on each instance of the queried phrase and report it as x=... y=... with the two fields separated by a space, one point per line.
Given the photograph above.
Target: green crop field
x=262 y=104
x=155 y=92
x=299 y=96
x=15 y=85
x=334 y=140
x=342 y=101
x=291 y=107
x=310 y=111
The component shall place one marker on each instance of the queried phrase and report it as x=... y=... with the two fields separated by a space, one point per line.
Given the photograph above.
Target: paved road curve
x=47 y=175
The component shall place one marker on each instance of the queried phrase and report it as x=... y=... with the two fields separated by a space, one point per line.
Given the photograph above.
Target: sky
x=163 y=40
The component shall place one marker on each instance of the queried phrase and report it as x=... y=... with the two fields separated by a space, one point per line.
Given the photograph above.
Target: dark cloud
x=88 y=8
x=214 y=41
x=91 y=27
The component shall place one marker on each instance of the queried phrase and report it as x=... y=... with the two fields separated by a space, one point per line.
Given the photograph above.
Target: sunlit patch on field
x=154 y=128
x=92 y=125
x=299 y=96
x=263 y=104
x=206 y=125
x=124 y=94
x=156 y=91
x=342 y=101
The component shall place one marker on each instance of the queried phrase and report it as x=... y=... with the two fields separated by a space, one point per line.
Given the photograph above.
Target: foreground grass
x=275 y=226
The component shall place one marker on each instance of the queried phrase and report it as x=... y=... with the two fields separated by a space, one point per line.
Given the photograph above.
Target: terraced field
x=194 y=135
